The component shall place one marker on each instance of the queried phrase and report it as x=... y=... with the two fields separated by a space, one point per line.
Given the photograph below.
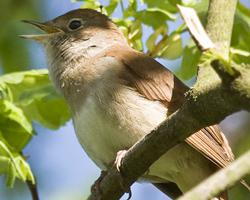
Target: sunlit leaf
x=13 y=165
x=190 y=60
x=135 y=35
x=173 y=47
x=201 y=6
x=167 y=5
x=93 y=4
x=148 y=17
x=123 y=25
x=111 y=6
x=131 y=10
x=151 y=41
x=240 y=36
x=33 y=92
x=14 y=125
x=25 y=97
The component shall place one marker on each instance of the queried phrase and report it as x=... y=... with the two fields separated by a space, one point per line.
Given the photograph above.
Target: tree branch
x=223 y=179
x=220 y=24
x=203 y=107
x=209 y=102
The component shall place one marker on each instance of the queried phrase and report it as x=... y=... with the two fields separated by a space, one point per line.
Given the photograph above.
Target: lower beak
x=47 y=28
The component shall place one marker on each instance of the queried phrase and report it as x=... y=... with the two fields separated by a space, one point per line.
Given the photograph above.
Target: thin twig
x=122 y=6
x=220 y=181
x=33 y=190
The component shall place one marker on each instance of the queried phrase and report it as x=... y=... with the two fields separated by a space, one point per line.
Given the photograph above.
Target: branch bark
x=209 y=102
x=223 y=179
x=202 y=108
x=220 y=23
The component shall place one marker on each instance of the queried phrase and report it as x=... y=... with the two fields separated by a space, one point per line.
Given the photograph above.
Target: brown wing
x=155 y=82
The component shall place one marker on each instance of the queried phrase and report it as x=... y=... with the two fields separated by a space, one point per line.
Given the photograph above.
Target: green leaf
x=51 y=111
x=132 y=30
x=168 y=47
x=166 y=5
x=190 y=60
x=200 y=6
x=4 y=164
x=93 y=4
x=172 y=48
x=151 y=41
x=33 y=92
x=123 y=25
x=11 y=175
x=111 y=7
x=135 y=35
x=240 y=36
x=150 y=15
x=244 y=12
x=131 y=10
x=13 y=165
x=14 y=125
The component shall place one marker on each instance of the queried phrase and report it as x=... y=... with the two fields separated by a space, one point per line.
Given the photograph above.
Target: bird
x=117 y=95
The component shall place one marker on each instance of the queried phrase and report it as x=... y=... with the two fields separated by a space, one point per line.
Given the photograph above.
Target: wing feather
x=155 y=82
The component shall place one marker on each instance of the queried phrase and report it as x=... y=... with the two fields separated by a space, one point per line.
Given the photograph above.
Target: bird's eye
x=75 y=24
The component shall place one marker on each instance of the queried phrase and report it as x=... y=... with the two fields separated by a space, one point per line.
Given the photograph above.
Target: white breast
x=105 y=124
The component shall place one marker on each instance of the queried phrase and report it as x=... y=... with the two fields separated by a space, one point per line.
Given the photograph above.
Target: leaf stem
x=122 y=6
x=33 y=190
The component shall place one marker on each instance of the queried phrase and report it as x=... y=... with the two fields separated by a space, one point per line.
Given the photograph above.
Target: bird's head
x=77 y=29
x=73 y=24
x=74 y=37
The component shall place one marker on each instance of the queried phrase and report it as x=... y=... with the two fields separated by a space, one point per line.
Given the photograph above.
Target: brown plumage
x=157 y=83
x=117 y=95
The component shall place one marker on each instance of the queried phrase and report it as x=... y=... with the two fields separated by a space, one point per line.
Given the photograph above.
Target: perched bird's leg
x=95 y=188
x=118 y=162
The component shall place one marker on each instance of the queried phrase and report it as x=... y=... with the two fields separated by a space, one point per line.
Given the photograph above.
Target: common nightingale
x=117 y=95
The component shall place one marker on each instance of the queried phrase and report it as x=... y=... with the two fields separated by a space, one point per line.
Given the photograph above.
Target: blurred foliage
x=28 y=96
x=14 y=51
x=25 y=97
x=240 y=50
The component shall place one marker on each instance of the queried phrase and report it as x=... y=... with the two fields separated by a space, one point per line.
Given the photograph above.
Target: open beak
x=46 y=27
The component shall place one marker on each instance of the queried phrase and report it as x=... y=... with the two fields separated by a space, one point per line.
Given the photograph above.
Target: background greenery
x=151 y=26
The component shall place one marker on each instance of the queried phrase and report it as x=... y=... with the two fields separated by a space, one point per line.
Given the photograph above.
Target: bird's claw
x=118 y=160
x=118 y=163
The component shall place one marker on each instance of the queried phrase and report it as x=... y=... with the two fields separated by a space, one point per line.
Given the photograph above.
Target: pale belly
x=104 y=129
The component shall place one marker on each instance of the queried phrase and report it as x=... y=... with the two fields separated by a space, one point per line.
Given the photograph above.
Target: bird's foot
x=118 y=160
x=95 y=188
x=118 y=163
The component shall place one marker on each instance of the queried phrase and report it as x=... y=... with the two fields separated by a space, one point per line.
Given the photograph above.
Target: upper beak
x=46 y=27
